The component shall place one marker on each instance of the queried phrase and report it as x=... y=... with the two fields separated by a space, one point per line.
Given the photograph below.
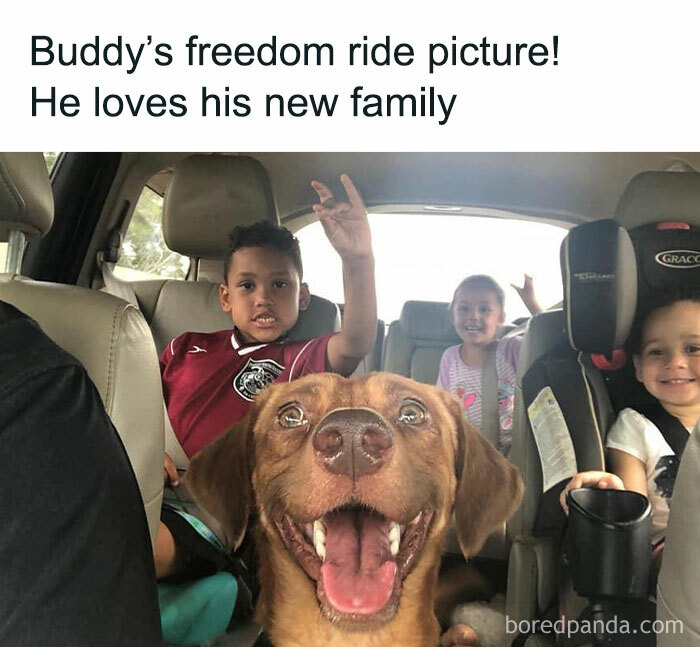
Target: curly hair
x=263 y=234
x=657 y=300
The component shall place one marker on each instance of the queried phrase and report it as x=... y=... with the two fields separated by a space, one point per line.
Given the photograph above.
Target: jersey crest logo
x=255 y=376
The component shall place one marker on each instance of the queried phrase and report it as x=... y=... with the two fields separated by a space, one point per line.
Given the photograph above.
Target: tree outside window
x=144 y=253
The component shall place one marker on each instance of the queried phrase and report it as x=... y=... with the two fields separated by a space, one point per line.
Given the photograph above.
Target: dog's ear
x=489 y=487
x=219 y=479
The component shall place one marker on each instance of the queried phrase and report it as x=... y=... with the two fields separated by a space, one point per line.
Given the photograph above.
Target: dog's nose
x=353 y=442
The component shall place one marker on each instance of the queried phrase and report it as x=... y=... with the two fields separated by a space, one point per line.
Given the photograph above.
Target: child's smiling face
x=476 y=315
x=668 y=363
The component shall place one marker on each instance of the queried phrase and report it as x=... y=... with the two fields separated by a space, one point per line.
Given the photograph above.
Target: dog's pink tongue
x=357 y=573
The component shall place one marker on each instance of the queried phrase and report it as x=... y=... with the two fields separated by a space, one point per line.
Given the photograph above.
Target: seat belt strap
x=673 y=431
x=172 y=445
x=490 y=421
x=114 y=286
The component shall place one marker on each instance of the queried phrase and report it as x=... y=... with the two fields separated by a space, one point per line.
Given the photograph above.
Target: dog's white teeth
x=319 y=529
x=394 y=531
x=394 y=538
x=417 y=518
x=320 y=538
x=394 y=548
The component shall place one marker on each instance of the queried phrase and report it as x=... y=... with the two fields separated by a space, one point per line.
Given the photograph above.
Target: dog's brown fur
x=444 y=463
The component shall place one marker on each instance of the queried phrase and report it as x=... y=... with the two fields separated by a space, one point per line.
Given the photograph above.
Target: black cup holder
x=608 y=544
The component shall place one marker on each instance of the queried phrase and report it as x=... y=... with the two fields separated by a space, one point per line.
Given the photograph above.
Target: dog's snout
x=353 y=442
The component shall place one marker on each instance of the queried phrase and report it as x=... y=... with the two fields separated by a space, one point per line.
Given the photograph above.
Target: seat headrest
x=208 y=196
x=427 y=320
x=320 y=318
x=599 y=273
x=660 y=196
x=26 y=198
x=668 y=258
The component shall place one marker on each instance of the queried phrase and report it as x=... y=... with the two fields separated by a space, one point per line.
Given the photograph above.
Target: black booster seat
x=608 y=548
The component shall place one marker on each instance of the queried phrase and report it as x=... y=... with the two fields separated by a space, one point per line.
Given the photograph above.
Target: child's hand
x=527 y=294
x=170 y=475
x=602 y=480
x=345 y=224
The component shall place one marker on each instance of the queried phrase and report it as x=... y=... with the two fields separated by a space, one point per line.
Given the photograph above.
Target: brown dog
x=354 y=482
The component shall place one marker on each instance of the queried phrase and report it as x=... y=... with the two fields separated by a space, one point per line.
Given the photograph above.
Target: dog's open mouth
x=358 y=559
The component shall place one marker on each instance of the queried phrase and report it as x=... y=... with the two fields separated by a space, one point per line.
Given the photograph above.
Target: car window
x=3 y=256
x=144 y=253
x=50 y=159
x=424 y=257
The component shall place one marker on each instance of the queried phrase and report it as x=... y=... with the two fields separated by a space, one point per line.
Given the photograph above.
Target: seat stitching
x=153 y=499
x=111 y=358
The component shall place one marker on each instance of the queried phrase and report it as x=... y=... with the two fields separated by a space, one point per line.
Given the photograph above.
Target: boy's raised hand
x=345 y=223
x=347 y=229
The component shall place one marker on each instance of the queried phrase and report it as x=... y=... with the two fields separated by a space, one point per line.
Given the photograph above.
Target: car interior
x=66 y=242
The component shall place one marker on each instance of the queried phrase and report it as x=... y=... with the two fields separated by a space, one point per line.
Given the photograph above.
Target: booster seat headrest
x=668 y=258
x=614 y=268
x=661 y=211
x=599 y=274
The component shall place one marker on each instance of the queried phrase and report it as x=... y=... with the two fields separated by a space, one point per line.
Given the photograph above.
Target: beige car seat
x=678 y=602
x=207 y=196
x=110 y=337
x=415 y=343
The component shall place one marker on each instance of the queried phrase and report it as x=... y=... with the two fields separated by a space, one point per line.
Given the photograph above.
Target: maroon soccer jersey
x=210 y=379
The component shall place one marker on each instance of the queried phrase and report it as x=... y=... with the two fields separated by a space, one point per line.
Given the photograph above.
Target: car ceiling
x=561 y=186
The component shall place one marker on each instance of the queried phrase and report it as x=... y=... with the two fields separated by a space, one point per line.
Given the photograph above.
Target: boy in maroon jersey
x=210 y=379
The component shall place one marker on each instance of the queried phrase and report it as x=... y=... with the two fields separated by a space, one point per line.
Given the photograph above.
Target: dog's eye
x=291 y=415
x=411 y=412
